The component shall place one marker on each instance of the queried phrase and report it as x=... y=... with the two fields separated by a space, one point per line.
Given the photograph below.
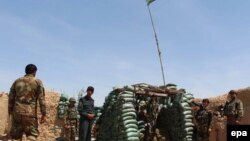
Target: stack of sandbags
x=118 y=121
x=187 y=99
x=62 y=104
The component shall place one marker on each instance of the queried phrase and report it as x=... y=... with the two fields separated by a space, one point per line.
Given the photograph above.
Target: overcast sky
x=105 y=43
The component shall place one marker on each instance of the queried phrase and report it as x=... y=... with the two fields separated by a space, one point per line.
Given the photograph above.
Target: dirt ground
x=50 y=130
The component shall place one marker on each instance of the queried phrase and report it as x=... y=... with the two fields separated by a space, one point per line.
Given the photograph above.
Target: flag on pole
x=149 y=1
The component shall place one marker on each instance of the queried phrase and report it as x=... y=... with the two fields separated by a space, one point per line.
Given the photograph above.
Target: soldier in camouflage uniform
x=203 y=119
x=25 y=95
x=70 y=121
x=233 y=109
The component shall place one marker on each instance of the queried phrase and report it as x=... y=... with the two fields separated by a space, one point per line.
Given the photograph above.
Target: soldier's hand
x=66 y=126
x=91 y=116
x=237 y=122
x=209 y=130
x=43 y=119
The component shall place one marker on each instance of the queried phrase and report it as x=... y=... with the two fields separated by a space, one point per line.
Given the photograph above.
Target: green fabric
x=149 y=1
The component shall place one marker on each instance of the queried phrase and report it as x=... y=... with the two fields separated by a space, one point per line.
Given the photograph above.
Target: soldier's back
x=26 y=93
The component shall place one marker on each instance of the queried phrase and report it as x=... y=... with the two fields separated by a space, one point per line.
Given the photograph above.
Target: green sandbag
x=188 y=120
x=187 y=112
x=128 y=99
x=189 y=97
x=127 y=105
x=128 y=110
x=132 y=134
x=184 y=104
x=128 y=118
x=64 y=97
x=187 y=108
x=189 y=137
x=131 y=126
x=141 y=123
x=133 y=139
x=129 y=114
x=131 y=130
x=189 y=124
x=127 y=92
x=190 y=133
x=188 y=116
x=132 y=121
x=141 y=130
x=188 y=129
x=184 y=98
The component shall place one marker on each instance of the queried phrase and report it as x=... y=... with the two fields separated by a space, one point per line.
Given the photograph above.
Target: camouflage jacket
x=234 y=108
x=203 y=117
x=70 y=114
x=25 y=94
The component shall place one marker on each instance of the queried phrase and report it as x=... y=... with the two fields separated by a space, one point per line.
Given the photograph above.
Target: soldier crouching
x=70 y=121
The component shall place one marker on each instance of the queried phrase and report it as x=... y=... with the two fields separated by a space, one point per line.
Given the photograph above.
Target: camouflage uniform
x=203 y=119
x=234 y=111
x=71 y=122
x=25 y=94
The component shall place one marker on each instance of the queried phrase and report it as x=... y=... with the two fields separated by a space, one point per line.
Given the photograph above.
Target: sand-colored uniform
x=70 y=120
x=203 y=118
x=219 y=127
x=234 y=111
x=25 y=94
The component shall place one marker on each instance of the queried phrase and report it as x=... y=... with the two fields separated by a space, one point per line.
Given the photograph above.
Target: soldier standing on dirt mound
x=25 y=94
x=70 y=121
x=86 y=111
x=233 y=109
x=203 y=119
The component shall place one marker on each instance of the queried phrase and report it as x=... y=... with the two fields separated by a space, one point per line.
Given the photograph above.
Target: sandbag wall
x=118 y=120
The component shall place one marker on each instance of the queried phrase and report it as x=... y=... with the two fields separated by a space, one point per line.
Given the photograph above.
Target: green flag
x=149 y=1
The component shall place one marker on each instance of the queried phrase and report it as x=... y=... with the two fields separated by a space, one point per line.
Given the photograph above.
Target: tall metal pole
x=157 y=44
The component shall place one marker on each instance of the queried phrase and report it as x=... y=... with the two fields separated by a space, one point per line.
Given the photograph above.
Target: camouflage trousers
x=202 y=133
x=24 y=125
x=70 y=133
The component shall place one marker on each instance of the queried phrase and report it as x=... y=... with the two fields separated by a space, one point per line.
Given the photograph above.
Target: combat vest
x=71 y=113
x=231 y=107
x=203 y=117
